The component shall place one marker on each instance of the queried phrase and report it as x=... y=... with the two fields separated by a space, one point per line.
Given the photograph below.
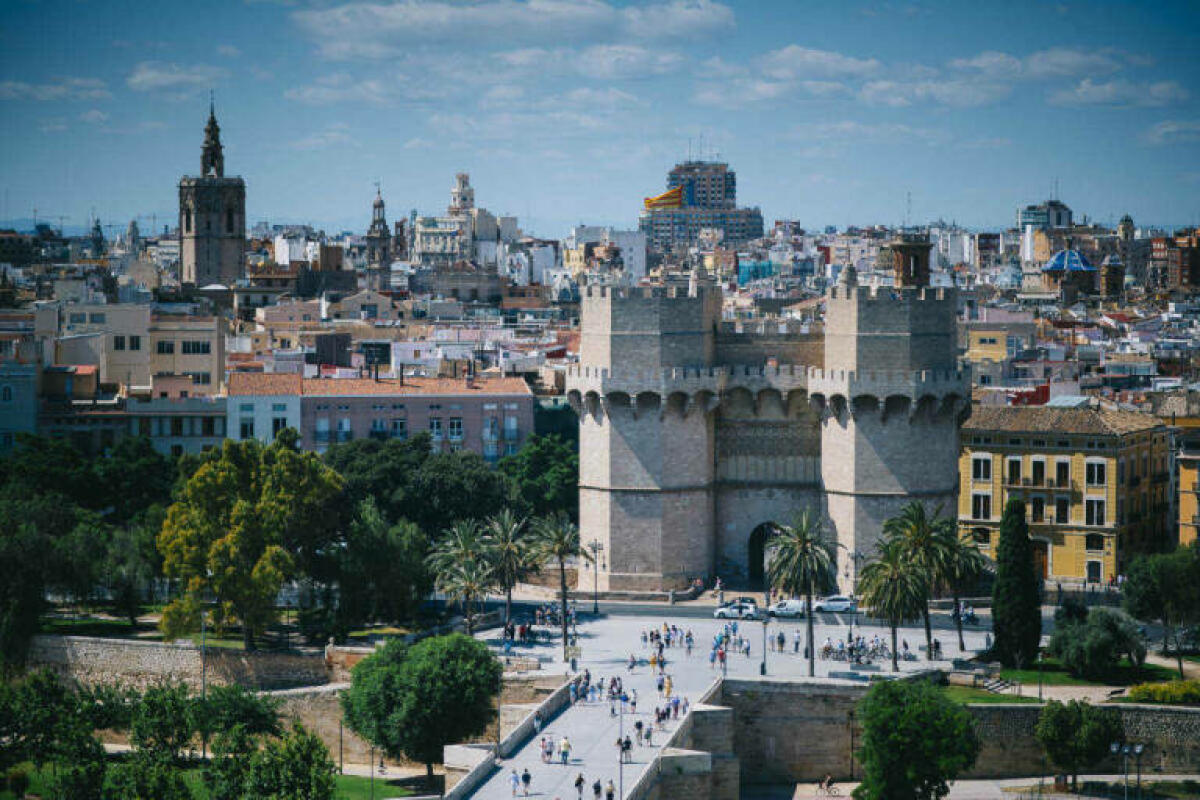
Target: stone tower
x=379 y=239
x=212 y=217
x=890 y=398
x=462 y=196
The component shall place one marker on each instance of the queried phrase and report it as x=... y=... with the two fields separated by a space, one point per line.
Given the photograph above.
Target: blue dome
x=1068 y=261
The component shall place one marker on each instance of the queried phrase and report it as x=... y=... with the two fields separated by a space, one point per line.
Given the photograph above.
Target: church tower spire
x=212 y=157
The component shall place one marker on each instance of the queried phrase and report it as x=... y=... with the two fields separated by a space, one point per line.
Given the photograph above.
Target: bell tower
x=212 y=216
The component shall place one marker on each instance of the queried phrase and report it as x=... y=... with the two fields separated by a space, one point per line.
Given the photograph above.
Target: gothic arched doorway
x=758 y=554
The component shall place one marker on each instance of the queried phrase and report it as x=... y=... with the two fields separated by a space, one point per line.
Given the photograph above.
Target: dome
x=378 y=200
x=1068 y=261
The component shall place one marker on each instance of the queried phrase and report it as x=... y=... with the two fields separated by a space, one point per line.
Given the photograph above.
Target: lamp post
x=762 y=668
x=621 y=747
x=1039 y=675
x=854 y=556
x=1137 y=752
x=203 y=679
x=596 y=546
x=1116 y=749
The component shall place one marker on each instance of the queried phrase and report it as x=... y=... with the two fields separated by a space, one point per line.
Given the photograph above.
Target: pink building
x=492 y=417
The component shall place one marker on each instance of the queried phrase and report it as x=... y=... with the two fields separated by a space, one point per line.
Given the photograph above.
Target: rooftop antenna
x=907 y=208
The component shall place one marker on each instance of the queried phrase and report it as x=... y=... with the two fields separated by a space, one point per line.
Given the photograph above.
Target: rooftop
x=258 y=383
x=1051 y=420
x=1068 y=261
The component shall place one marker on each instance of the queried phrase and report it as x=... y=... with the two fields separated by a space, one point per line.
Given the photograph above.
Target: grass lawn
x=967 y=694
x=86 y=626
x=349 y=787
x=1054 y=674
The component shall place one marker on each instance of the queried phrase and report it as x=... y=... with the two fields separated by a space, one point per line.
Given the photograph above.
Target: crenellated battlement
x=889 y=294
x=606 y=292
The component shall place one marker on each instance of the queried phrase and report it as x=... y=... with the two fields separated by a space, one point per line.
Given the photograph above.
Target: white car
x=737 y=611
x=787 y=608
x=837 y=602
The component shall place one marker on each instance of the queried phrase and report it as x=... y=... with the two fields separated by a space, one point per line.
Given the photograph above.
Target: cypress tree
x=1016 y=597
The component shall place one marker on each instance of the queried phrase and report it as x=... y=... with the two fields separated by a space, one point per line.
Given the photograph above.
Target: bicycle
x=828 y=791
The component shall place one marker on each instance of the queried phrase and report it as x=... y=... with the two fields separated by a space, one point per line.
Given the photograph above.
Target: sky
x=570 y=111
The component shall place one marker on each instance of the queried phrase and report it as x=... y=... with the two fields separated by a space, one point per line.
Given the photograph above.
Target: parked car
x=737 y=611
x=837 y=602
x=787 y=608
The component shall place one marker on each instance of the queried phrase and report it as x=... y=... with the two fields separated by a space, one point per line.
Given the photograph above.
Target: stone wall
x=93 y=660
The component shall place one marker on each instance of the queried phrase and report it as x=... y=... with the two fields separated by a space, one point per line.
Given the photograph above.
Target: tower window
x=187 y=220
x=229 y=220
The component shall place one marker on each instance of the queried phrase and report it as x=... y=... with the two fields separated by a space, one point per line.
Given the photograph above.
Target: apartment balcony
x=379 y=434
x=322 y=437
x=511 y=434
x=345 y=436
x=491 y=436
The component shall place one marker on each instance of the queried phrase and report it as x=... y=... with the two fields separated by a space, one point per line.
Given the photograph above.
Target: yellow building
x=1095 y=482
x=1189 y=495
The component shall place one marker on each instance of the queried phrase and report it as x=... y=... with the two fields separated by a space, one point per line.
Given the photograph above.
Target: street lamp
x=203 y=680
x=1137 y=751
x=596 y=546
x=1039 y=675
x=762 y=668
x=855 y=556
x=621 y=747
x=1116 y=749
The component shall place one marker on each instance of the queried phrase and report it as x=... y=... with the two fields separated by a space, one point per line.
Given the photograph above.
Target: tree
x=802 y=565
x=1077 y=735
x=924 y=541
x=450 y=487
x=915 y=742
x=1092 y=648
x=509 y=553
x=298 y=767
x=1165 y=587
x=163 y=721
x=1016 y=596
x=238 y=528
x=127 y=570
x=381 y=470
x=557 y=539
x=466 y=583
x=545 y=476
x=133 y=477
x=962 y=568
x=893 y=590
x=412 y=701
x=382 y=574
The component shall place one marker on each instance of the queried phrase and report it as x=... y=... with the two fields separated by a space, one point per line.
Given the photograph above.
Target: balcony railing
x=511 y=434
x=345 y=436
x=322 y=437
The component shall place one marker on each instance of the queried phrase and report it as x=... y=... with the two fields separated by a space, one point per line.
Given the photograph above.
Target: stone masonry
x=697 y=435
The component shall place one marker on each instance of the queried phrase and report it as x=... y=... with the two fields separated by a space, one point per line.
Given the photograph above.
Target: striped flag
x=672 y=198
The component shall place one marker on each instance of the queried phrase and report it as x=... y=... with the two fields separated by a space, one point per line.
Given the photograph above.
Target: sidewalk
x=970 y=790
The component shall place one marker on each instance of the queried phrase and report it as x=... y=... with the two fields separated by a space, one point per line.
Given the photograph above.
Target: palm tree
x=893 y=588
x=466 y=582
x=922 y=541
x=556 y=538
x=508 y=552
x=963 y=566
x=461 y=553
x=802 y=564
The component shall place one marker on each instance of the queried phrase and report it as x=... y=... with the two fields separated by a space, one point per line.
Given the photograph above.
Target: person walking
x=610 y=791
x=515 y=781
x=579 y=782
x=637 y=728
x=597 y=789
x=526 y=778
x=564 y=750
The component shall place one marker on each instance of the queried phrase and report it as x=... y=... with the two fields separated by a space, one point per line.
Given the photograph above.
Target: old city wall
x=760 y=344
x=94 y=660
x=793 y=731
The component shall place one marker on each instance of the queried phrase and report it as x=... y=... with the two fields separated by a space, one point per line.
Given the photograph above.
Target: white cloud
x=717 y=67
x=1173 y=132
x=93 y=117
x=794 y=61
x=741 y=92
x=615 y=61
x=949 y=92
x=159 y=75
x=1055 y=62
x=228 y=51
x=1120 y=93
x=335 y=134
x=52 y=126
x=852 y=130
x=56 y=89
x=381 y=29
x=586 y=99
x=341 y=88
x=502 y=95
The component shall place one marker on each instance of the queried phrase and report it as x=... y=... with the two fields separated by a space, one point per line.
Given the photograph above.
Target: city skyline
x=572 y=112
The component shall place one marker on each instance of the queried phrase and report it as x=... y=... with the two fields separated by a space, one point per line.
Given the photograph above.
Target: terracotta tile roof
x=251 y=383
x=261 y=383
x=1046 y=419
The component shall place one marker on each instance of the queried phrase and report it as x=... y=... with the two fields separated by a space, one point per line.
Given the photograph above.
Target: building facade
x=212 y=218
x=697 y=436
x=1095 y=482
x=700 y=195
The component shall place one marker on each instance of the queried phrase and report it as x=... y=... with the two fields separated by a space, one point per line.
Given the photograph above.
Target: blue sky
x=572 y=110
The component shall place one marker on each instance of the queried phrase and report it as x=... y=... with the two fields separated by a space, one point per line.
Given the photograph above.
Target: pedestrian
x=564 y=750
x=637 y=727
x=525 y=779
x=667 y=686
x=627 y=749
x=537 y=722
x=796 y=640
x=515 y=781
x=579 y=782
x=610 y=791
x=574 y=693
x=542 y=749
x=633 y=701
x=596 y=789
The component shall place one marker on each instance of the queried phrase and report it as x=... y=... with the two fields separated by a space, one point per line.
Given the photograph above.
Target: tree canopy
x=1016 y=595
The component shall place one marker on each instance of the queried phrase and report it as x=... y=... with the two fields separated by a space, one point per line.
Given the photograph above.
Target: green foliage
x=133 y=477
x=411 y=701
x=1165 y=587
x=915 y=742
x=927 y=543
x=1016 y=604
x=380 y=470
x=239 y=527
x=146 y=777
x=81 y=774
x=162 y=722
x=382 y=571
x=891 y=588
x=17 y=781
x=298 y=767
x=227 y=707
x=1093 y=648
x=460 y=565
x=1077 y=735
x=1173 y=693
x=802 y=565
x=510 y=553
x=545 y=477
x=555 y=540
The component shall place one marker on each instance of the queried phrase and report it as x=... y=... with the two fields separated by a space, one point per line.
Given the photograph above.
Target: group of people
x=965 y=611
x=520 y=782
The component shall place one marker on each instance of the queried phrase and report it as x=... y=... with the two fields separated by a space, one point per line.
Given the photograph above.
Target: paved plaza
x=606 y=645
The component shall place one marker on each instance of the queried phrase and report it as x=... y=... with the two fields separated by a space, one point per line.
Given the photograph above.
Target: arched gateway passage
x=759 y=555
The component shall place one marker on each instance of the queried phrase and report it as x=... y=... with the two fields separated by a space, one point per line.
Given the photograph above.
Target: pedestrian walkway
x=606 y=645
